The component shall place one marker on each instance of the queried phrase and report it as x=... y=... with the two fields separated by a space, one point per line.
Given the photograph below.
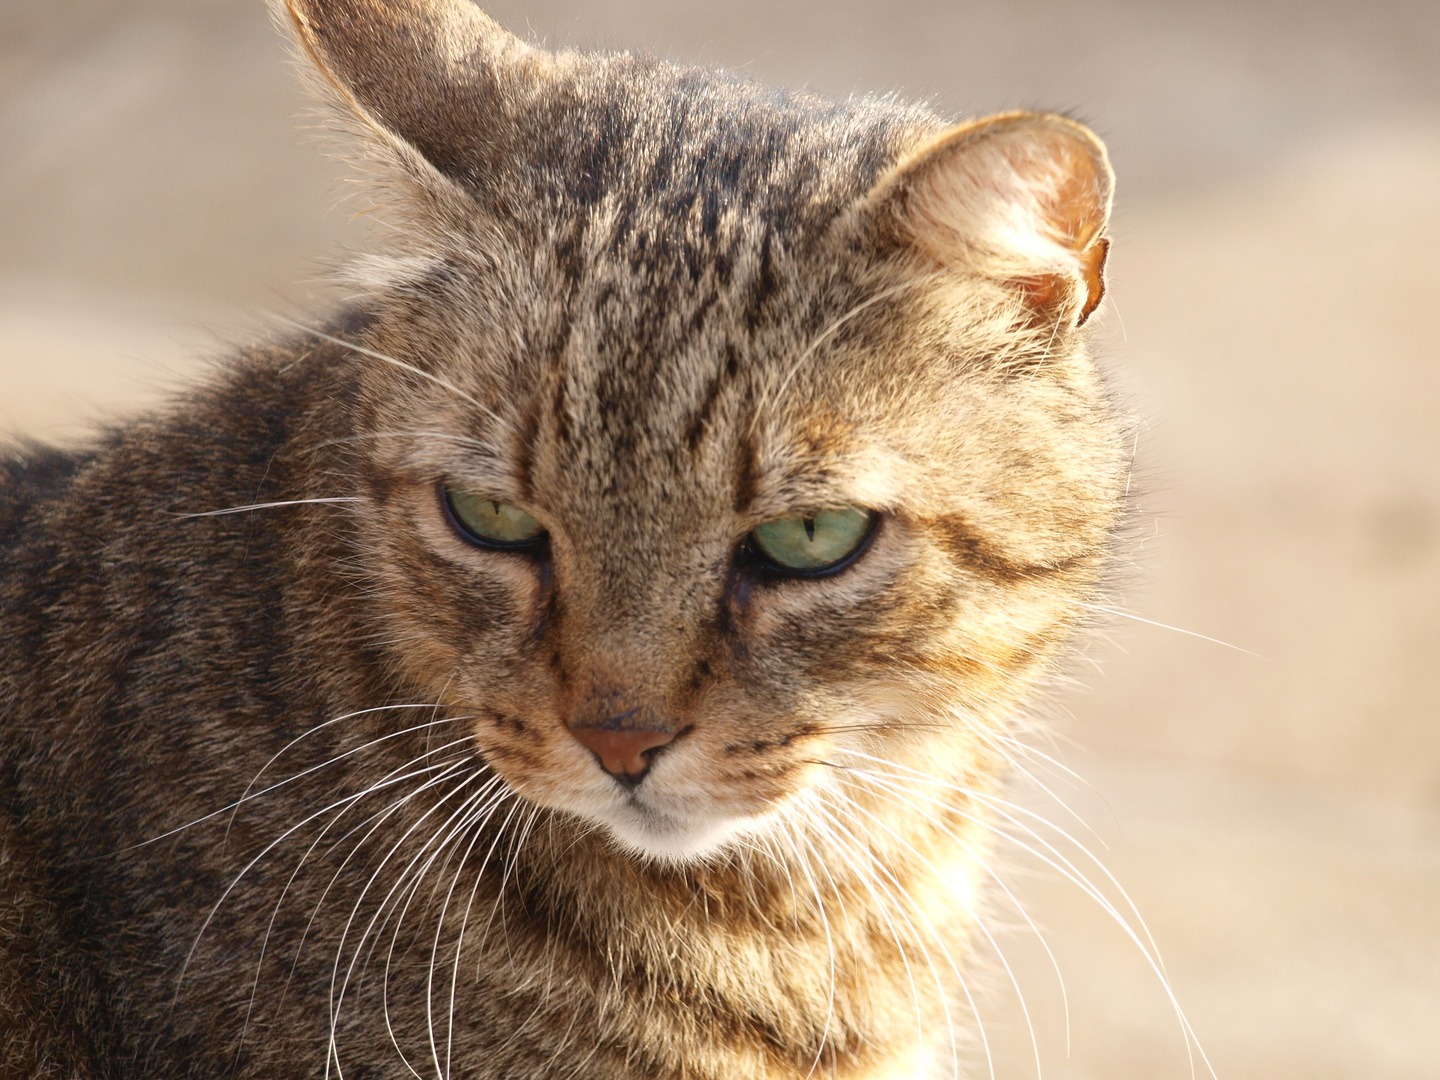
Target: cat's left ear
x=432 y=81
x=1023 y=198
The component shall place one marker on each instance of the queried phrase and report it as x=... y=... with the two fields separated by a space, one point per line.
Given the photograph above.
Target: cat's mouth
x=682 y=811
x=671 y=818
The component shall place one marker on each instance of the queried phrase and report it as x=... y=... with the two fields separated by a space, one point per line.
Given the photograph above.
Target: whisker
x=349 y=799
x=1051 y=762
x=456 y=765
x=473 y=822
x=336 y=720
x=1004 y=744
x=436 y=436
x=1167 y=626
x=266 y=506
x=829 y=948
x=270 y=926
x=247 y=797
x=1066 y=868
x=501 y=834
x=464 y=922
x=1008 y=810
x=375 y=821
x=838 y=831
x=402 y=365
x=442 y=1071
x=902 y=797
x=978 y=921
x=337 y=1003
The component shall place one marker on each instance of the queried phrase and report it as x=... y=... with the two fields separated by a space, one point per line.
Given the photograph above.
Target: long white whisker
x=402 y=365
x=337 y=1003
x=1065 y=867
x=349 y=799
x=436 y=436
x=1007 y=746
x=977 y=920
x=474 y=823
x=247 y=797
x=1166 y=626
x=275 y=914
x=829 y=948
x=376 y=821
x=459 y=946
x=840 y=834
x=442 y=1071
x=901 y=796
x=1009 y=810
x=267 y=506
x=336 y=720
x=500 y=834
x=455 y=826
x=1048 y=761
x=451 y=767
x=464 y=922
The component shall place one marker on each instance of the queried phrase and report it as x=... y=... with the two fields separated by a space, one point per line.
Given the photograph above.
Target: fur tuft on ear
x=1023 y=198
x=433 y=73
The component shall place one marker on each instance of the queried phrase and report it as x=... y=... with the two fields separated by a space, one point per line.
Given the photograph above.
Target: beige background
x=1275 y=321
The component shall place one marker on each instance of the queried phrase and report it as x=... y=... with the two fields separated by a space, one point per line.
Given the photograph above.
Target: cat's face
x=676 y=311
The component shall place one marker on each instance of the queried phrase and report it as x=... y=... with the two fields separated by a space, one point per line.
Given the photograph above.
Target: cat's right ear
x=1021 y=198
x=428 y=79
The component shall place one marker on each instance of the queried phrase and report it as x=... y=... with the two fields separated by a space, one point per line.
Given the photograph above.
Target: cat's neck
x=845 y=930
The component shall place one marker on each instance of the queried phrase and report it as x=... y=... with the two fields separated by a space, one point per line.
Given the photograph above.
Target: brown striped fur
x=655 y=307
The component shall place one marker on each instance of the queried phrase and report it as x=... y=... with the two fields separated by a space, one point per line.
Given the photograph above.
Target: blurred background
x=1274 y=319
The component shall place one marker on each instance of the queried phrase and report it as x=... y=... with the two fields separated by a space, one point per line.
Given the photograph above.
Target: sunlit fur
x=654 y=307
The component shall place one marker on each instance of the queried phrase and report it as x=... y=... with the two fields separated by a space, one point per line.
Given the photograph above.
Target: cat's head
x=714 y=439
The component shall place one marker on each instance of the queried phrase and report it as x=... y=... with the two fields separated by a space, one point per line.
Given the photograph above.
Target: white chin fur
x=658 y=836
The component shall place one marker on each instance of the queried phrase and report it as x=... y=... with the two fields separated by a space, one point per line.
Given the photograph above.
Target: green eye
x=489 y=523
x=812 y=545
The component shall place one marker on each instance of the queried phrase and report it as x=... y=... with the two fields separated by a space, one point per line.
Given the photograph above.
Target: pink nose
x=624 y=754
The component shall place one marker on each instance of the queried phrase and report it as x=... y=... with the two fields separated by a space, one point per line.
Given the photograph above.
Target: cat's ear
x=433 y=73
x=1022 y=198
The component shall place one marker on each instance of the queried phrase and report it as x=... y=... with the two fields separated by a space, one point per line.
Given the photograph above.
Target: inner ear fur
x=1023 y=198
x=437 y=74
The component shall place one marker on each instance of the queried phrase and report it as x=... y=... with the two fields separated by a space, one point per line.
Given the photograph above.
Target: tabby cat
x=597 y=651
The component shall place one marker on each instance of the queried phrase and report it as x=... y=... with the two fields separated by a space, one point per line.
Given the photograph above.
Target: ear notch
x=427 y=71
x=1021 y=197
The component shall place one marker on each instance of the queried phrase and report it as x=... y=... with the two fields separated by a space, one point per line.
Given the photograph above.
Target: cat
x=597 y=651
